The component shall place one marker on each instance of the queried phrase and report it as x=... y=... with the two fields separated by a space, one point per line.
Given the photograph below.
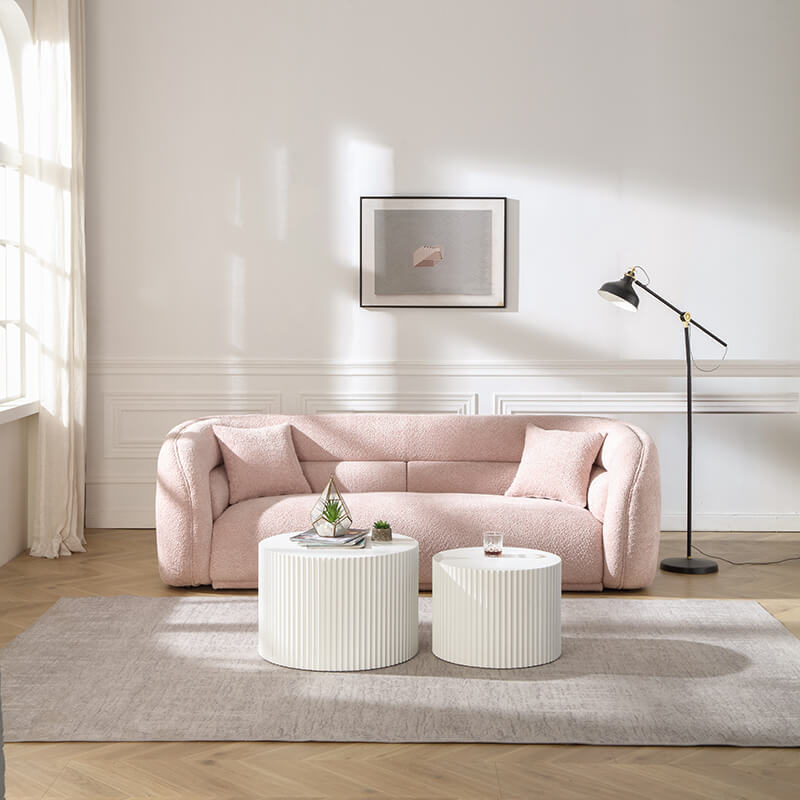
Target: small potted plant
x=332 y=521
x=381 y=531
x=330 y=515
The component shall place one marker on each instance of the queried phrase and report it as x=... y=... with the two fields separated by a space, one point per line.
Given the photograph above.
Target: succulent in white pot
x=333 y=521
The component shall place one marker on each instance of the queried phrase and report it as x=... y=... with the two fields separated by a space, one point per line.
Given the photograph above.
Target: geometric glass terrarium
x=330 y=516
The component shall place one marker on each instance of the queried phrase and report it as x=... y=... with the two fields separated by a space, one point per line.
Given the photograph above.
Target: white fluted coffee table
x=338 y=609
x=502 y=611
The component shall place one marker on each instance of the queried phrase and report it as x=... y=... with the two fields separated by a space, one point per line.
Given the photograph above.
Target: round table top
x=282 y=543
x=511 y=559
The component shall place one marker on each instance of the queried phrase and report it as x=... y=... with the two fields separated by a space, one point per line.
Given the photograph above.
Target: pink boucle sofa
x=438 y=478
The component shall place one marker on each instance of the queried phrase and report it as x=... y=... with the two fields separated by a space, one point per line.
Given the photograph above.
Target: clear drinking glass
x=492 y=543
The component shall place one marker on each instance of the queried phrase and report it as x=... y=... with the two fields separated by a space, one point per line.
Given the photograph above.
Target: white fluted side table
x=338 y=609
x=502 y=611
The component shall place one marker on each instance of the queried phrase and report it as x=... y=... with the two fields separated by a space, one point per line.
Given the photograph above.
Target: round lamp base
x=690 y=566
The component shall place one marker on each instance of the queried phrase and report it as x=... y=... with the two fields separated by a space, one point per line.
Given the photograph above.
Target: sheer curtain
x=56 y=262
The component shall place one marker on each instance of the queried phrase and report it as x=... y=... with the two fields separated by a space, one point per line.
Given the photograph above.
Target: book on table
x=354 y=538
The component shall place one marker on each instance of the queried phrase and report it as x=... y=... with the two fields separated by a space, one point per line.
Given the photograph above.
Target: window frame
x=18 y=398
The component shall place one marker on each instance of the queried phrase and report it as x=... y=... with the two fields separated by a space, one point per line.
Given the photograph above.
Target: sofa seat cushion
x=437 y=521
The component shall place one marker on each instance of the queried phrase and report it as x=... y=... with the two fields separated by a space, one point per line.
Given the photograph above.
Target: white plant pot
x=325 y=528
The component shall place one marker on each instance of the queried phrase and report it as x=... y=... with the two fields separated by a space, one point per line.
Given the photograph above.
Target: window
x=12 y=299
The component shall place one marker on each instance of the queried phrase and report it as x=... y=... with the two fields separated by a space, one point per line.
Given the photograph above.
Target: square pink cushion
x=260 y=462
x=556 y=465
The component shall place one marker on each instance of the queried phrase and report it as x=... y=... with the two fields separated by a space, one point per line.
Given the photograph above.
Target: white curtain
x=56 y=261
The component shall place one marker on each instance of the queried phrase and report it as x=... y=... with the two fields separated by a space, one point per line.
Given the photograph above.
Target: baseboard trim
x=121 y=518
x=762 y=523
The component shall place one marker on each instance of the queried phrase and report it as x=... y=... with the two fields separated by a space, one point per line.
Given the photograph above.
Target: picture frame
x=433 y=252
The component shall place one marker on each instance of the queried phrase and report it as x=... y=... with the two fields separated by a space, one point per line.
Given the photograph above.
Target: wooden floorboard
x=124 y=562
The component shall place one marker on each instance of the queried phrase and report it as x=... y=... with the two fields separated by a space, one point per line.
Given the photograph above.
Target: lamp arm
x=681 y=314
x=657 y=296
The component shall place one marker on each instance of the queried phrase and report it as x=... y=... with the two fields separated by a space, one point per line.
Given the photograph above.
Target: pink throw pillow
x=260 y=462
x=556 y=465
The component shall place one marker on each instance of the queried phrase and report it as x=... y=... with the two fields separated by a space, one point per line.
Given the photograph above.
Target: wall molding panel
x=605 y=403
x=743 y=368
x=427 y=403
x=134 y=421
x=134 y=403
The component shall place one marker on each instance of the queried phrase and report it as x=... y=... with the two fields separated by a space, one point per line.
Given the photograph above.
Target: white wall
x=13 y=489
x=228 y=147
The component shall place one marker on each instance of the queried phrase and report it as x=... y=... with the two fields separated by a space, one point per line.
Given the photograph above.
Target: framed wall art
x=433 y=252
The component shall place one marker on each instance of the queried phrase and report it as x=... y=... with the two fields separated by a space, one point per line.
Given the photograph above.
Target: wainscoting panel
x=393 y=403
x=603 y=404
x=136 y=422
x=747 y=437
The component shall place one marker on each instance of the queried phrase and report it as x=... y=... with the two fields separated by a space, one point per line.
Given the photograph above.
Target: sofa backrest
x=357 y=476
x=472 y=477
x=420 y=452
x=414 y=437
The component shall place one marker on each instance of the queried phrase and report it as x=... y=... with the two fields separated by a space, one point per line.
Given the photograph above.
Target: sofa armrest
x=632 y=518
x=183 y=504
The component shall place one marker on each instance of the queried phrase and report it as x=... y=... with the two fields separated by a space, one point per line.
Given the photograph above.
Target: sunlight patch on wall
x=360 y=167
x=237 y=301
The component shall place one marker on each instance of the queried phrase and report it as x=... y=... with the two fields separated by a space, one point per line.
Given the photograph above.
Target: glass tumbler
x=492 y=543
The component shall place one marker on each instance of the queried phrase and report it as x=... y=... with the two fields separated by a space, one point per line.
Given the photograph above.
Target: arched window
x=14 y=36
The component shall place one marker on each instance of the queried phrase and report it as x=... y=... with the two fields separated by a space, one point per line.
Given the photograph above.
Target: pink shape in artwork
x=428 y=256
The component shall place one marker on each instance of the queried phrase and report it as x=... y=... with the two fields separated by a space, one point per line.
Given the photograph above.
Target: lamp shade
x=621 y=293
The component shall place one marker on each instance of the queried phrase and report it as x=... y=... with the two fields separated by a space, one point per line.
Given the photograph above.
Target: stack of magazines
x=353 y=539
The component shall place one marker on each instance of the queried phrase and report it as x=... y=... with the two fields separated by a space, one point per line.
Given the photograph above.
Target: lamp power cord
x=703 y=369
x=745 y=563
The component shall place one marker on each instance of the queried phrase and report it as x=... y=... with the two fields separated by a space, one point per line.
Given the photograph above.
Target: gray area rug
x=632 y=672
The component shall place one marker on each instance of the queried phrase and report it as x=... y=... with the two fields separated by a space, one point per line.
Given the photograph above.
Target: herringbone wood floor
x=123 y=562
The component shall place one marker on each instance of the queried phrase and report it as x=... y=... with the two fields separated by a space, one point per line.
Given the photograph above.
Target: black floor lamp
x=622 y=294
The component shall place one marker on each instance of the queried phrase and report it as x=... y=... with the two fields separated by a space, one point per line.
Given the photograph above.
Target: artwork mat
x=497 y=207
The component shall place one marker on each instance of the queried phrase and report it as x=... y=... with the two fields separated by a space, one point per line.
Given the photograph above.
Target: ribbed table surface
x=497 y=611
x=338 y=609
